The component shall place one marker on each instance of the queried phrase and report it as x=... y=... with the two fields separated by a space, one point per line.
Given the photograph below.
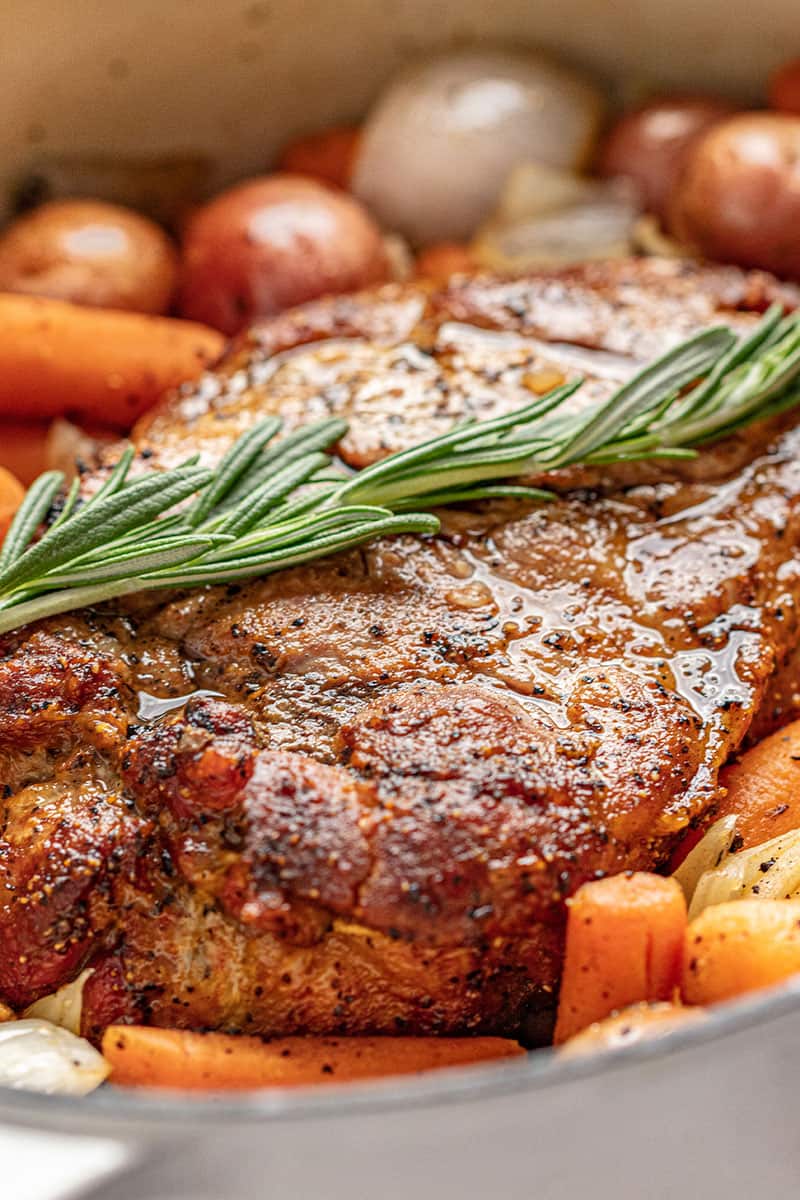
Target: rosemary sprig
x=275 y=502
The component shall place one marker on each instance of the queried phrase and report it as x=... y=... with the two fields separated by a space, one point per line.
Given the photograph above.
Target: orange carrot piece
x=638 y=1023
x=328 y=156
x=624 y=944
x=23 y=448
x=443 y=260
x=58 y=358
x=29 y=447
x=142 y=1056
x=740 y=947
x=11 y=495
x=764 y=788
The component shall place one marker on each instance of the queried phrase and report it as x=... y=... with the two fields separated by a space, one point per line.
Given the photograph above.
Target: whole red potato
x=783 y=90
x=270 y=243
x=738 y=196
x=91 y=253
x=649 y=144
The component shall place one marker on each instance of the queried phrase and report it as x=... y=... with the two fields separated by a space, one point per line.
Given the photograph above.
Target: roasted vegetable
x=624 y=944
x=146 y=1057
x=58 y=358
x=274 y=242
x=783 y=91
x=40 y=1057
x=763 y=788
x=740 y=947
x=444 y=135
x=738 y=196
x=547 y=217
x=649 y=144
x=443 y=260
x=328 y=156
x=11 y=495
x=638 y=1023
x=90 y=253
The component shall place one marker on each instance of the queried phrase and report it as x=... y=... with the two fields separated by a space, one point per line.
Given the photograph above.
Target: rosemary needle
x=274 y=502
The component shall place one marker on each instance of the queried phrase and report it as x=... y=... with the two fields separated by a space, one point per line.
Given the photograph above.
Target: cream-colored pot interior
x=233 y=78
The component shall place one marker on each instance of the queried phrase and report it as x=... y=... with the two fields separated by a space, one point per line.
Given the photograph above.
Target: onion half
x=62 y=1008
x=770 y=871
x=444 y=135
x=547 y=217
x=37 y=1056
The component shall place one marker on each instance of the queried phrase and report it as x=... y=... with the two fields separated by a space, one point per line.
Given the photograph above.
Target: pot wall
x=233 y=78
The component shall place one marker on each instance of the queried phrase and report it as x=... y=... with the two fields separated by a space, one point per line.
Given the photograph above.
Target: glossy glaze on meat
x=353 y=796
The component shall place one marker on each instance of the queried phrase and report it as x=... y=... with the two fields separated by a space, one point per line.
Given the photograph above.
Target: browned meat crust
x=396 y=763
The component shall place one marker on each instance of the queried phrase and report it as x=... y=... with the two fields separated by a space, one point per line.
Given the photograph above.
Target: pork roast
x=353 y=796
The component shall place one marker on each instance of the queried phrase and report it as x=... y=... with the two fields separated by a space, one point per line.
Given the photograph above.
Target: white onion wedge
x=706 y=855
x=548 y=217
x=62 y=1008
x=39 y=1057
x=444 y=135
x=770 y=871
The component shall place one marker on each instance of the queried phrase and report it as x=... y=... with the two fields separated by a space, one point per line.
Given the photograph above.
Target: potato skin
x=91 y=253
x=273 y=242
x=649 y=144
x=738 y=196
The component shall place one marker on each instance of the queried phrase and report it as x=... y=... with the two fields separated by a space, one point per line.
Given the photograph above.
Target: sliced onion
x=550 y=217
x=770 y=871
x=37 y=1056
x=62 y=1008
x=67 y=444
x=706 y=855
x=444 y=135
x=399 y=257
x=649 y=238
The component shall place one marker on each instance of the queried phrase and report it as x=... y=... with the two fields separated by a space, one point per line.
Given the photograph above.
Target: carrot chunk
x=108 y=366
x=764 y=788
x=328 y=156
x=11 y=495
x=638 y=1023
x=740 y=947
x=624 y=945
x=141 y=1056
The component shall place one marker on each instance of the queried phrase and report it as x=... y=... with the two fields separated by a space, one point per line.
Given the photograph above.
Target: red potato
x=738 y=196
x=783 y=91
x=328 y=156
x=274 y=242
x=90 y=253
x=650 y=143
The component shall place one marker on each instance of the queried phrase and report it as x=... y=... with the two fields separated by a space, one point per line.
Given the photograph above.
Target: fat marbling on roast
x=393 y=765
